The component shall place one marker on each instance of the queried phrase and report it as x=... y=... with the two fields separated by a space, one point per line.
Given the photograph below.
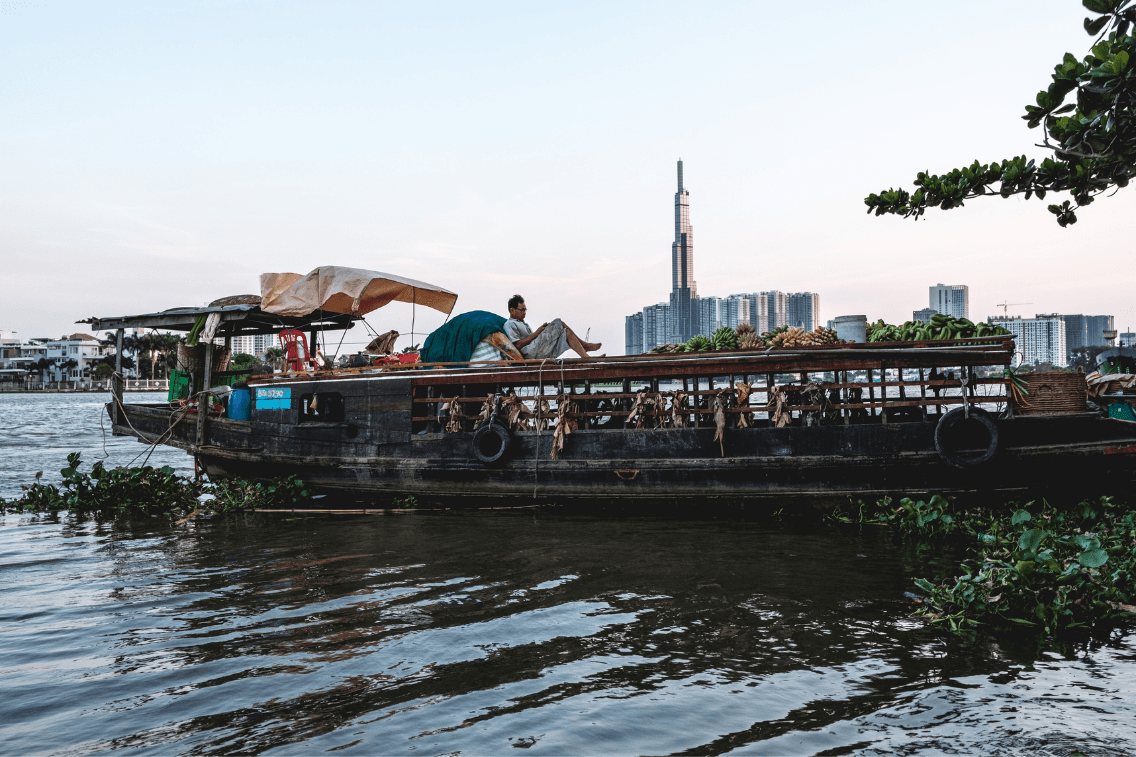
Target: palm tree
x=165 y=349
x=67 y=365
x=275 y=357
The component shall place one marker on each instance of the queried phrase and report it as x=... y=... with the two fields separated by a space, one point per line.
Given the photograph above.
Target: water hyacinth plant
x=1030 y=566
x=149 y=491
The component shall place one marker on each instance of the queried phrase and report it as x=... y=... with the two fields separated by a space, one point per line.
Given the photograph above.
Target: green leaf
x=1094 y=25
x=1031 y=540
x=1086 y=542
x=1093 y=558
x=1021 y=516
x=1025 y=567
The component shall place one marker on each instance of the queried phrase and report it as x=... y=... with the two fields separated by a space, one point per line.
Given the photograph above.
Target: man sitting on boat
x=550 y=340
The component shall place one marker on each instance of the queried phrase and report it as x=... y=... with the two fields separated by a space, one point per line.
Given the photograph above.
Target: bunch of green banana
x=940 y=327
x=725 y=338
x=699 y=343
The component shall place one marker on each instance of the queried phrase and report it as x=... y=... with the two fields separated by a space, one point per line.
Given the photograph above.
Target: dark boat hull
x=1047 y=455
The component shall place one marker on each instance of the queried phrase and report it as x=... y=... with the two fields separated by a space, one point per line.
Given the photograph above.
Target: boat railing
x=799 y=387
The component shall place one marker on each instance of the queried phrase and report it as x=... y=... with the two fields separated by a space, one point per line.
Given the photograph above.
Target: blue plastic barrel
x=240 y=403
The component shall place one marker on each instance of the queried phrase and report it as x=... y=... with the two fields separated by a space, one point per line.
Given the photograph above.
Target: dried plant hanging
x=454 y=416
x=743 y=391
x=678 y=409
x=720 y=421
x=566 y=423
x=778 y=407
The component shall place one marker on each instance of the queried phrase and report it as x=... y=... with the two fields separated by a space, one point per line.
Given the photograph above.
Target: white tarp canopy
x=352 y=291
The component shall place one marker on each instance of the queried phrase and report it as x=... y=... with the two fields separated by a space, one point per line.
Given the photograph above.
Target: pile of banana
x=748 y=338
x=940 y=327
x=745 y=337
x=791 y=336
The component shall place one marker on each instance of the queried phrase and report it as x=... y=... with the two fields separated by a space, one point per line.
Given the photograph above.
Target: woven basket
x=1053 y=393
x=192 y=359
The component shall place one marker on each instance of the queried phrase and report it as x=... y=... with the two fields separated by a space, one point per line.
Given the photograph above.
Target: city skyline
x=686 y=314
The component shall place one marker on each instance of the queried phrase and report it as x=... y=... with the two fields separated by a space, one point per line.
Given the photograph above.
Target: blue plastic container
x=240 y=403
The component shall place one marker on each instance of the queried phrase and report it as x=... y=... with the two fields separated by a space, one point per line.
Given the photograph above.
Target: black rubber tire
x=954 y=457
x=491 y=442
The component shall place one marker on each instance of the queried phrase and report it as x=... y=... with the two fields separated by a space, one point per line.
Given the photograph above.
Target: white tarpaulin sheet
x=353 y=291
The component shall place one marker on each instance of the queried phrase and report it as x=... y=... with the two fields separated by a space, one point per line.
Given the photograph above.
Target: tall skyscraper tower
x=684 y=290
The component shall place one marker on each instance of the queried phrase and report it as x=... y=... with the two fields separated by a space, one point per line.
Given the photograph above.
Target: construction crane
x=1007 y=305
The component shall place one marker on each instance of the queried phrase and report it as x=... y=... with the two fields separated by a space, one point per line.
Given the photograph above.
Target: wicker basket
x=1053 y=393
x=192 y=359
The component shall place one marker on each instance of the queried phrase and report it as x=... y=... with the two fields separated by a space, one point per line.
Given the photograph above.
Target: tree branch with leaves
x=1093 y=139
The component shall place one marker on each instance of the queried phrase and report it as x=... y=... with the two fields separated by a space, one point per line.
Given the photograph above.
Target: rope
x=102 y=414
x=336 y=356
x=173 y=423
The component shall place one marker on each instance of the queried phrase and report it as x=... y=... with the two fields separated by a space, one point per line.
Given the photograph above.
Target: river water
x=475 y=633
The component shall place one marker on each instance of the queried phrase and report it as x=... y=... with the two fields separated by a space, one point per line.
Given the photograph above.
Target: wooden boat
x=883 y=419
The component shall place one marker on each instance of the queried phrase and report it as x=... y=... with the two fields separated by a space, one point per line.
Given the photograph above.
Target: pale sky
x=155 y=155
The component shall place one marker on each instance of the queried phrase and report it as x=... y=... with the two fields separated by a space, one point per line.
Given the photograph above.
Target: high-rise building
x=655 y=325
x=735 y=310
x=252 y=345
x=759 y=312
x=1095 y=326
x=1076 y=332
x=776 y=308
x=708 y=314
x=925 y=315
x=1036 y=340
x=633 y=334
x=684 y=289
x=1127 y=339
x=1086 y=331
x=801 y=310
x=950 y=299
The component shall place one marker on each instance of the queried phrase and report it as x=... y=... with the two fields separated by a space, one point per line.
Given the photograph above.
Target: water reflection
x=437 y=634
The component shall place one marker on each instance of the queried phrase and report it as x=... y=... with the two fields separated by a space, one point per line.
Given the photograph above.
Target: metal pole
x=117 y=385
x=202 y=398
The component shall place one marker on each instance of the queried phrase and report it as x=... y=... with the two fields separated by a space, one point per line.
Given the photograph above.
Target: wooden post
x=883 y=393
x=871 y=393
x=202 y=398
x=117 y=385
x=846 y=394
x=923 y=391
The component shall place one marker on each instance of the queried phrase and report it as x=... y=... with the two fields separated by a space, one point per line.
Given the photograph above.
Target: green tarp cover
x=455 y=341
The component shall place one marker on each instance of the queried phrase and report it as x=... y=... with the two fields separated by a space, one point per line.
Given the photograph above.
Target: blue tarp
x=455 y=341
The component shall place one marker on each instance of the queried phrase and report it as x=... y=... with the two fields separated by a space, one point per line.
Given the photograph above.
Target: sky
x=155 y=155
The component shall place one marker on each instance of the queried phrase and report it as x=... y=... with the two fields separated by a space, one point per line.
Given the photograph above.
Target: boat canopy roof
x=328 y=297
x=351 y=291
x=236 y=320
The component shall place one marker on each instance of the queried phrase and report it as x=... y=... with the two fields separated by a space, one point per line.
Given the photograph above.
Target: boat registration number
x=271 y=398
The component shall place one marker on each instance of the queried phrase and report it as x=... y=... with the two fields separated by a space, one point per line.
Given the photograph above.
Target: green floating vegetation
x=150 y=491
x=1027 y=566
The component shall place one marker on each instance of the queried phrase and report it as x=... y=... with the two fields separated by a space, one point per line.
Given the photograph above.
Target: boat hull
x=1046 y=455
